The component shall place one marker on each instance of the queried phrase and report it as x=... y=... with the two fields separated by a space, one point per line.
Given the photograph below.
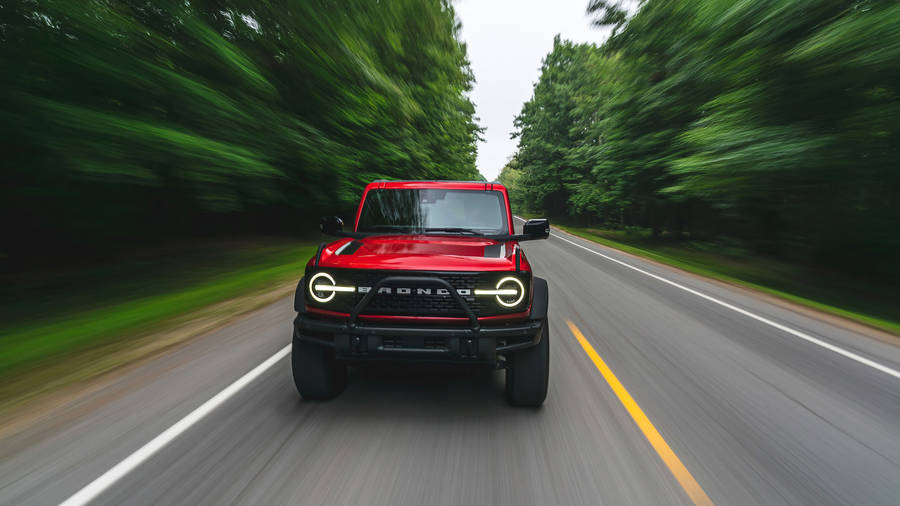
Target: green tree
x=124 y=121
x=775 y=122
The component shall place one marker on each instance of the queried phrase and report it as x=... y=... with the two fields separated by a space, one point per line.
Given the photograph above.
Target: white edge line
x=802 y=335
x=117 y=472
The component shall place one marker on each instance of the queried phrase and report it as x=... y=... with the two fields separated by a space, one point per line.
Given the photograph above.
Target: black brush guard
x=353 y=340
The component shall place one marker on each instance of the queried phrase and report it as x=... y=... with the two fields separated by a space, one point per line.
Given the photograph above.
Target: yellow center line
x=684 y=477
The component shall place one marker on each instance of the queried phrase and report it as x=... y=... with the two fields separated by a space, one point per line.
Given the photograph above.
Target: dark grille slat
x=419 y=304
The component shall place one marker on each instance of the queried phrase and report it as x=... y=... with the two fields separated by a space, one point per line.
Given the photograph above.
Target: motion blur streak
x=109 y=478
x=684 y=477
x=772 y=123
x=131 y=120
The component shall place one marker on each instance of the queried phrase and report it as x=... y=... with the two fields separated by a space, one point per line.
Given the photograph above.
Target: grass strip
x=150 y=304
x=827 y=293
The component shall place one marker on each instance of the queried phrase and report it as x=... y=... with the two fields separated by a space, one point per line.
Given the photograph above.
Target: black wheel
x=317 y=374
x=528 y=371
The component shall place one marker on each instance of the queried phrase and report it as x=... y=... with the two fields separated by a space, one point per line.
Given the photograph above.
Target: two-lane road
x=665 y=389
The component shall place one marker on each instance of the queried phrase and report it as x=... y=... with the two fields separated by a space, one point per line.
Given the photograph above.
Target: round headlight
x=318 y=279
x=510 y=289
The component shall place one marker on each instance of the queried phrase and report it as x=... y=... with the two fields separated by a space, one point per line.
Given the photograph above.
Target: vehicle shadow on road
x=423 y=390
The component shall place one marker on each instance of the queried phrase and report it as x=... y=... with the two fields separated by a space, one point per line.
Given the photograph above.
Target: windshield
x=434 y=211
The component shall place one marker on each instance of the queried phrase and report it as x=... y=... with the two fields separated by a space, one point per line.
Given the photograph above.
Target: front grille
x=423 y=298
x=419 y=302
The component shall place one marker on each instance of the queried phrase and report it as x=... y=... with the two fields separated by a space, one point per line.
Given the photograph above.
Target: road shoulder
x=809 y=312
x=70 y=388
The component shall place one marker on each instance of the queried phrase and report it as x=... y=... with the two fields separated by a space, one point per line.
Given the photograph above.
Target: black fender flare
x=540 y=300
x=300 y=297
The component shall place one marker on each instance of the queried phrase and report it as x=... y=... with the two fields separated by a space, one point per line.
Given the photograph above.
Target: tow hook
x=358 y=345
x=468 y=347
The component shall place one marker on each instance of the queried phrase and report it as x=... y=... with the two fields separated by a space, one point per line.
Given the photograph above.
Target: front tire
x=528 y=372
x=317 y=374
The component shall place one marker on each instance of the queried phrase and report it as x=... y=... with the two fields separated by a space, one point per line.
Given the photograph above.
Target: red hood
x=420 y=252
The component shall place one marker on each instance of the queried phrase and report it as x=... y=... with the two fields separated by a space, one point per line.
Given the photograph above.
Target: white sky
x=506 y=41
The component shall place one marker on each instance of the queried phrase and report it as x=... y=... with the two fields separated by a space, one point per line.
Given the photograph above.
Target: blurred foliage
x=511 y=178
x=123 y=121
x=773 y=121
x=42 y=319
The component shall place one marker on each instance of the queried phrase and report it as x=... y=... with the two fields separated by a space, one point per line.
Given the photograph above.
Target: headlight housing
x=509 y=291
x=322 y=287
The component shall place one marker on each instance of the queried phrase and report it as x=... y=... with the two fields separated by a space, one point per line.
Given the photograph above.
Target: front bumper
x=421 y=343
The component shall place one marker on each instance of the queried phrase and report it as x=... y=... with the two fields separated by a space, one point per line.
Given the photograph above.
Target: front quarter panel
x=541 y=300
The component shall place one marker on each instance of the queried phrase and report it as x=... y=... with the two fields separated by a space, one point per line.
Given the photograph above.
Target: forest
x=125 y=123
x=775 y=123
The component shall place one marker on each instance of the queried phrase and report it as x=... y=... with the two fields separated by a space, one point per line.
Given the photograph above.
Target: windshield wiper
x=403 y=228
x=454 y=230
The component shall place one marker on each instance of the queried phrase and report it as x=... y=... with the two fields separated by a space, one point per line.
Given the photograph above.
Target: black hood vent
x=349 y=248
x=495 y=250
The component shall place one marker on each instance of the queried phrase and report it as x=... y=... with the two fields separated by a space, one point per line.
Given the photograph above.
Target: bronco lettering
x=465 y=292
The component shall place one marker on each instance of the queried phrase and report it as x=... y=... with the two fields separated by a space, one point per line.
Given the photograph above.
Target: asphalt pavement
x=757 y=403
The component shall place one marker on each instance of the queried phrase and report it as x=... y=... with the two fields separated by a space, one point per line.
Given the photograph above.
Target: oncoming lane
x=758 y=416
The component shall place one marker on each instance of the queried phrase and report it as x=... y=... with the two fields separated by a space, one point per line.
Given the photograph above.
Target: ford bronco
x=432 y=271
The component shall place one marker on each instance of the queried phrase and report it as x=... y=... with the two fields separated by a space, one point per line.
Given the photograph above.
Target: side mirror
x=331 y=225
x=536 y=229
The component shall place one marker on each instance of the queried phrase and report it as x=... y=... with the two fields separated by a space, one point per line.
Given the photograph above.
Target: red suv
x=432 y=271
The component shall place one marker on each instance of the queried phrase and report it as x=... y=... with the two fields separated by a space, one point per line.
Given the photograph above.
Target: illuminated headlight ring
x=317 y=285
x=514 y=288
x=510 y=286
